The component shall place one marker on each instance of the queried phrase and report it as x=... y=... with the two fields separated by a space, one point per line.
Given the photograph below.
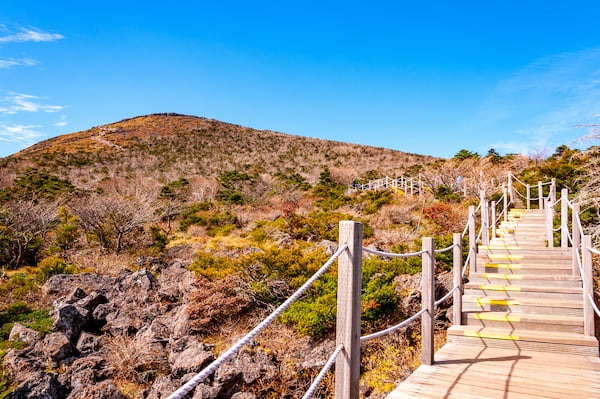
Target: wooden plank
x=463 y=371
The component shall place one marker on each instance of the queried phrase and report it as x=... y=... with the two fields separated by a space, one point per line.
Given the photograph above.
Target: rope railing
x=466 y=229
x=593 y=250
x=466 y=265
x=517 y=179
x=578 y=259
x=393 y=328
x=448 y=295
x=211 y=368
x=392 y=254
x=315 y=384
x=439 y=251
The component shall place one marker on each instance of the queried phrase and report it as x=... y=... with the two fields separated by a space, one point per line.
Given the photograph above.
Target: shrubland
x=250 y=222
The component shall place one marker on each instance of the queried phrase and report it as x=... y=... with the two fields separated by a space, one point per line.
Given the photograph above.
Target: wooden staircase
x=524 y=295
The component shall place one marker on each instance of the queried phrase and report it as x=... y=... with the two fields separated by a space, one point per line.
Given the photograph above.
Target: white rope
x=466 y=265
x=570 y=239
x=211 y=368
x=393 y=328
x=593 y=303
x=499 y=217
x=578 y=220
x=441 y=300
x=392 y=254
x=315 y=384
x=480 y=233
x=517 y=179
x=556 y=229
x=439 y=251
x=466 y=227
x=593 y=250
x=578 y=256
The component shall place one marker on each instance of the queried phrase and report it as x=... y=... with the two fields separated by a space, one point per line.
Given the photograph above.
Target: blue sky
x=427 y=77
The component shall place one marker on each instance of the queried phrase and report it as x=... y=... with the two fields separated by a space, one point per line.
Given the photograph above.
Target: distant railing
x=408 y=185
x=486 y=215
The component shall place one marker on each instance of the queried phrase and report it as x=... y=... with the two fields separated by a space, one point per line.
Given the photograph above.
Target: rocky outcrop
x=134 y=327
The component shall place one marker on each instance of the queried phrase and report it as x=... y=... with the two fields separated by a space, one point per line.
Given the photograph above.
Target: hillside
x=133 y=253
x=166 y=146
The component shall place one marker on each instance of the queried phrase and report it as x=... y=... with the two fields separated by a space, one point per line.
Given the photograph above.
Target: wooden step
x=525 y=259
x=559 y=307
x=552 y=341
x=520 y=268
x=510 y=248
x=524 y=291
x=525 y=279
x=524 y=321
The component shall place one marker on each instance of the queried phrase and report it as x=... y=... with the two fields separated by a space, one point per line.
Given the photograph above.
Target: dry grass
x=101 y=261
x=134 y=364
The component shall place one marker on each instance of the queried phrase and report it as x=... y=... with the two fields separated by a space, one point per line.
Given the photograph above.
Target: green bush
x=159 y=238
x=372 y=201
x=19 y=312
x=213 y=267
x=51 y=266
x=319 y=225
x=201 y=214
x=445 y=194
x=36 y=184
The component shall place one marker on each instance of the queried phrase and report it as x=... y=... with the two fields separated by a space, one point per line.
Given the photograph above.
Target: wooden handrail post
x=485 y=227
x=347 y=366
x=576 y=238
x=588 y=286
x=553 y=190
x=472 y=240
x=564 y=218
x=528 y=188
x=428 y=301
x=549 y=212
x=457 y=277
x=505 y=202
x=540 y=195
x=493 y=218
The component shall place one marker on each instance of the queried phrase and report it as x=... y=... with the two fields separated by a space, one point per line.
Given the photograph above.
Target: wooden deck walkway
x=476 y=372
x=521 y=333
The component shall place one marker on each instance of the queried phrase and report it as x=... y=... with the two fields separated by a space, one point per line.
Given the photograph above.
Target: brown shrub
x=216 y=302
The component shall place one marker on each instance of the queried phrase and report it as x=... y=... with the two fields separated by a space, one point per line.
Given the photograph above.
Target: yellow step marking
x=476 y=334
x=495 y=317
x=500 y=246
x=502 y=276
x=511 y=266
x=505 y=302
x=505 y=257
x=491 y=287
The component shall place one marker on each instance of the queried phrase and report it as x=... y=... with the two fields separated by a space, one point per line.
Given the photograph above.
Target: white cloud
x=31 y=35
x=15 y=103
x=21 y=134
x=62 y=122
x=11 y=62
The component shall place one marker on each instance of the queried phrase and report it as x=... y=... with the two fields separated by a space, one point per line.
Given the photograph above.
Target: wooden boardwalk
x=521 y=333
x=464 y=371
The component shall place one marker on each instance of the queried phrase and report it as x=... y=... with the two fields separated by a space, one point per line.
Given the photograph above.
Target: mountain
x=172 y=145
